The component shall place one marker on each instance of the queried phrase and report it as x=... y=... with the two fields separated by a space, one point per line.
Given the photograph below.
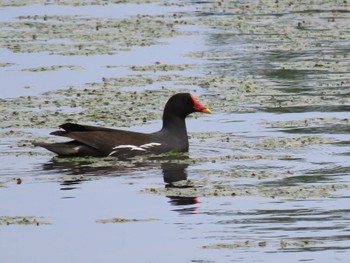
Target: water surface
x=267 y=175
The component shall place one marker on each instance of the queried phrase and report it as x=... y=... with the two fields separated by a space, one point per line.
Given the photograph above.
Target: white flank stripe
x=130 y=147
x=150 y=145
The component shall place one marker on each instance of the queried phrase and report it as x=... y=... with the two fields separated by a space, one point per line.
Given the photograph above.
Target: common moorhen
x=99 y=141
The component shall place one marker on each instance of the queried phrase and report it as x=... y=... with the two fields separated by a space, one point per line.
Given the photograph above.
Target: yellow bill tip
x=206 y=110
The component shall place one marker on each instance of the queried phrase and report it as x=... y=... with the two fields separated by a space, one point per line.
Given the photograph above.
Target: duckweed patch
x=161 y=67
x=6 y=64
x=233 y=245
x=207 y=187
x=101 y=103
x=108 y=103
x=325 y=79
x=53 y=68
x=230 y=141
x=106 y=106
x=23 y=220
x=303 y=69
x=72 y=2
x=282 y=244
x=313 y=126
x=270 y=143
x=124 y=220
x=298 y=24
x=86 y=35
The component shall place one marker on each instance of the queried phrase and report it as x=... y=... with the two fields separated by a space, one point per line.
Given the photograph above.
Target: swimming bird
x=99 y=141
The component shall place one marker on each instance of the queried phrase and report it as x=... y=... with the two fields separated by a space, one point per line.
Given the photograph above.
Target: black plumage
x=100 y=141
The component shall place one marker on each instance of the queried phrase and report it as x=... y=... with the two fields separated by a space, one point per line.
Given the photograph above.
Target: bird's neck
x=173 y=123
x=175 y=132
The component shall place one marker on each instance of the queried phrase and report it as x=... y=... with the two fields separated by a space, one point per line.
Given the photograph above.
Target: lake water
x=267 y=175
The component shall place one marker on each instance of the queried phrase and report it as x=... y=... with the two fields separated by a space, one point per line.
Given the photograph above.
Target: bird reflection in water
x=82 y=171
x=175 y=172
